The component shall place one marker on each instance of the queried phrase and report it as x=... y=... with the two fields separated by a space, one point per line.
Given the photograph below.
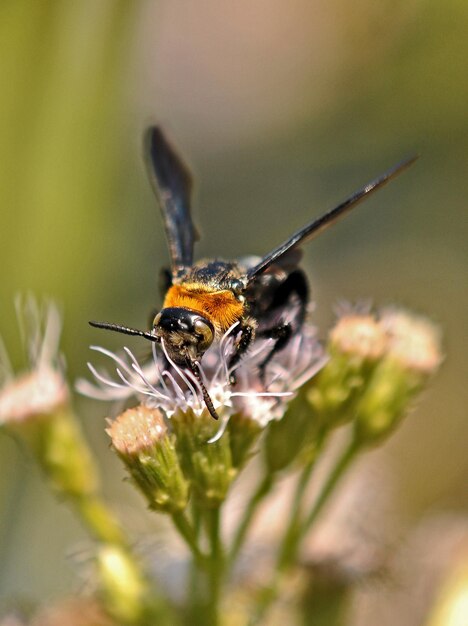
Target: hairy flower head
x=359 y=335
x=141 y=439
x=41 y=390
x=137 y=430
x=414 y=341
x=162 y=384
x=413 y=354
x=36 y=404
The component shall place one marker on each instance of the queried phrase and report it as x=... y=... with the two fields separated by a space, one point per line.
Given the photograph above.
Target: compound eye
x=203 y=329
x=157 y=319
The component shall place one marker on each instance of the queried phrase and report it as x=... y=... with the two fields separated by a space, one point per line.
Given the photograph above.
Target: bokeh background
x=283 y=109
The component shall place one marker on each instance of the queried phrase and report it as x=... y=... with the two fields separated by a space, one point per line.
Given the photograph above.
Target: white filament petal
x=221 y=430
x=174 y=388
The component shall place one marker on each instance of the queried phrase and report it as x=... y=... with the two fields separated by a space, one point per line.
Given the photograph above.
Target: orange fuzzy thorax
x=221 y=308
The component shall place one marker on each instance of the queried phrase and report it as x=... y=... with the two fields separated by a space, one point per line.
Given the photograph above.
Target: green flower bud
x=243 y=433
x=35 y=407
x=356 y=344
x=125 y=592
x=327 y=400
x=413 y=354
x=208 y=465
x=294 y=438
x=140 y=438
x=65 y=456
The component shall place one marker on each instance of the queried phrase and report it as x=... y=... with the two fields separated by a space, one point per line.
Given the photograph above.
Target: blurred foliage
x=283 y=109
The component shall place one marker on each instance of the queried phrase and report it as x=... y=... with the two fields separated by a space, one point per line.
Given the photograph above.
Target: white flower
x=162 y=384
x=414 y=340
x=42 y=388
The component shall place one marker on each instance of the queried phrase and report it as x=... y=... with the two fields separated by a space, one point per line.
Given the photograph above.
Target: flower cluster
x=184 y=462
x=35 y=405
x=190 y=445
x=162 y=384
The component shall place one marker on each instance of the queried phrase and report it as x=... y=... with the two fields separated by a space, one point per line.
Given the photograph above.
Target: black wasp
x=203 y=300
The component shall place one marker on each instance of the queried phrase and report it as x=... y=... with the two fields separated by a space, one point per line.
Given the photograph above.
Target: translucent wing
x=319 y=225
x=172 y=183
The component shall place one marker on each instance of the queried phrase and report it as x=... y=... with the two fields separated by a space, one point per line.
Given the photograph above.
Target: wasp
x=202 y=300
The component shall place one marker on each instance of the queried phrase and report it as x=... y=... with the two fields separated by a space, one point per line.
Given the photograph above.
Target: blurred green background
x=283 y=109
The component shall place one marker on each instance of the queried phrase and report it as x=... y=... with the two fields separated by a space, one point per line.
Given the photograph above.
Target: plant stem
x=99 y=520
x=188 y=534
x=342 y=464
x=291 y=536
x=263 y=489
x=196 y=518
x=216 y=565
x=296 y=531
x=288 y=543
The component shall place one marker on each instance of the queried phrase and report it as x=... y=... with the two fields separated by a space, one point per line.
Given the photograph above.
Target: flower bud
x=33 y=395
x=356 y=344
x=35 y=407
x=243 y=433
x=208 y=465
x=414 y=341
x=140 y=438
x=413 y=354
x=125 y=592
x=294 y=438
x=65 y=456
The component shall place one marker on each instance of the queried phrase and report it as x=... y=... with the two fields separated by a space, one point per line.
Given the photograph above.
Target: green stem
x=291 y=536
x=216 y=565
x=263 y=489
x=214 y=517
x=196 y=517
x=187 y=532
x=194 y=610
x=99 y=520
x=342 y=464
x=291 y=544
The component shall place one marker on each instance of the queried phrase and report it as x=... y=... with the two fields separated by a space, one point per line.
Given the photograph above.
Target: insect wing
x=172 y=182
x=319 y=225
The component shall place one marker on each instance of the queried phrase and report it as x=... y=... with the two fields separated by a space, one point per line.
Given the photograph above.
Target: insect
x=203 y=300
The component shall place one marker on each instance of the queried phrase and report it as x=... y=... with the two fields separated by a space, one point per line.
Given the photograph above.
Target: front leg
x=247 y=335
x=281 y=334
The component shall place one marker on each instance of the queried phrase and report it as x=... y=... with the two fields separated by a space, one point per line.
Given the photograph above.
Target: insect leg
x=295 y=284
x=247 y=335
x=282 y=334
